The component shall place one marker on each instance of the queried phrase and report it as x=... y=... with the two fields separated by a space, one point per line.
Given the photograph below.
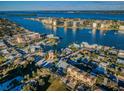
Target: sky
x=60 y=5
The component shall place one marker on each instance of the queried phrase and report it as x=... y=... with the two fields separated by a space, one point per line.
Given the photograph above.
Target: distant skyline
x=60 y=5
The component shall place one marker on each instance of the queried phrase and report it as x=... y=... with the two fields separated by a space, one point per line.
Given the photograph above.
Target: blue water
x=66 y=15
x=109 y=38
x=85 y=15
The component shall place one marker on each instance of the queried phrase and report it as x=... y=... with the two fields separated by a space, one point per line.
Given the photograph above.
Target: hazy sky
x=60 y=5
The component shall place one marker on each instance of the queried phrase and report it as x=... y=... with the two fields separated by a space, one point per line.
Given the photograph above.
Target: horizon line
x=59 y=10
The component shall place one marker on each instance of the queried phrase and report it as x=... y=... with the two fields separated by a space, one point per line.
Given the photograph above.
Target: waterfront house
x=84 y=44
x=75 y=45
x=94 y=25
x=106 y=48
x=50 y=36
x=120 y=57
x=67 y=51
x=113 y=52
x=34 y=36
x=121 y=54
x=121 y=28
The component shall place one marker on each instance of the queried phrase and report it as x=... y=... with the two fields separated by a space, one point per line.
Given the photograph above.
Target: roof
x=2 y=43
x=63 y=64
x=120 y=60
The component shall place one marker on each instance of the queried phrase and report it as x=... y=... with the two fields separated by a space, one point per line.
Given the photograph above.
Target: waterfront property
x=78 y=66
x=75 y=23
x=71 y=35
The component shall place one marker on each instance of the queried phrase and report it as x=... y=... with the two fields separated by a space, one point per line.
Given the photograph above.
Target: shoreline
x=75 y=23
